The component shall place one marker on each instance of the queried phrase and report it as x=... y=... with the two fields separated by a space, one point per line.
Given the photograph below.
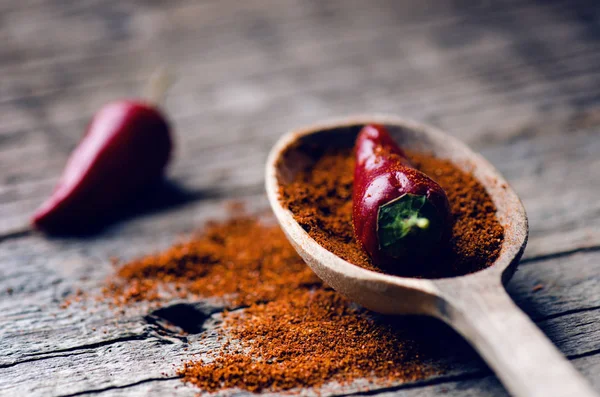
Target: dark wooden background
x=517 y=80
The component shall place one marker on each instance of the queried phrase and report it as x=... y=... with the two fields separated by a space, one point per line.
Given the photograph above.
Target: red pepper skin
x=383 y=176
x=126 y=147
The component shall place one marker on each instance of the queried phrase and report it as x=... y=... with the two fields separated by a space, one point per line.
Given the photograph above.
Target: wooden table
x=519 y=81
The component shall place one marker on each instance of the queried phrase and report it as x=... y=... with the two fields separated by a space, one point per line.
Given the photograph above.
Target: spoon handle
x=524 y=359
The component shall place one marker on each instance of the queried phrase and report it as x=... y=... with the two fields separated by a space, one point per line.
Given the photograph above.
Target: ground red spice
x=293 y=332
x=320 y=197
x=306 y=338
x=242 y=261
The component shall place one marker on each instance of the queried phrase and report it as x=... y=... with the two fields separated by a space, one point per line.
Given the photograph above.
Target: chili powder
x=320 y=198
x=293 y=331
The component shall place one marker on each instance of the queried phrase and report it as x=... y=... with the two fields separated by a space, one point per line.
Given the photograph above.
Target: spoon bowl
x=475 y=304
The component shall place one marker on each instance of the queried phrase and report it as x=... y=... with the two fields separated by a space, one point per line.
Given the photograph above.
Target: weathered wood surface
x=517 y=80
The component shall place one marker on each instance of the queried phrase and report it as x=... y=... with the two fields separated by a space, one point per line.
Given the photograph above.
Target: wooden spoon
x=476 y=305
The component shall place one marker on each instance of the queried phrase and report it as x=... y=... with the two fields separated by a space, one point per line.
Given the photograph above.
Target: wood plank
x=548 y=288
x=558 y=197
x=476 y=386
x=481 y=387
x=71 y=103
x=410 y=62
x=142 y=21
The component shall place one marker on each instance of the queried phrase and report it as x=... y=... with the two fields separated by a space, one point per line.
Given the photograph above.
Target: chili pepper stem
x=157 y=86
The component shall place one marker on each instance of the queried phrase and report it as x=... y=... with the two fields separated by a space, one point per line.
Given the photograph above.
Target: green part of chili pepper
x=408 y=224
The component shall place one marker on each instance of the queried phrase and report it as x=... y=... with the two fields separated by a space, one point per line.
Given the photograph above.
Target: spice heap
x=320 y=197
x=294 y=331
x=304 y=339
x=242 y=261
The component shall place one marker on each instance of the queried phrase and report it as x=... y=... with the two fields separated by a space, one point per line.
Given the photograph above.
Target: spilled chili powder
x=305 y=338
x=242 y=261
x=293 y=331
x=320 y=198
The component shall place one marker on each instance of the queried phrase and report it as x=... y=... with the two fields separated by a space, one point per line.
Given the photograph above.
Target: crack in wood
x=189 y=318
x=117 y=387
x=418 y=384
x=556 y=255
x=585 y=354
x=44 y=357
x=405 y=386
x=96 y=345
x=91 y=346
x=445 y=379
x=566 y=313
x=16 y=233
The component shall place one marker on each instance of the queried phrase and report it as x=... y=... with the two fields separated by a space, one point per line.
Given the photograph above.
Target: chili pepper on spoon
x=126 y=147
x=400 y=216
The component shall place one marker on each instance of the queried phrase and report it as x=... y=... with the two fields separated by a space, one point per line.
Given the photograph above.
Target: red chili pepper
x=401 y=216
x=126 y=147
